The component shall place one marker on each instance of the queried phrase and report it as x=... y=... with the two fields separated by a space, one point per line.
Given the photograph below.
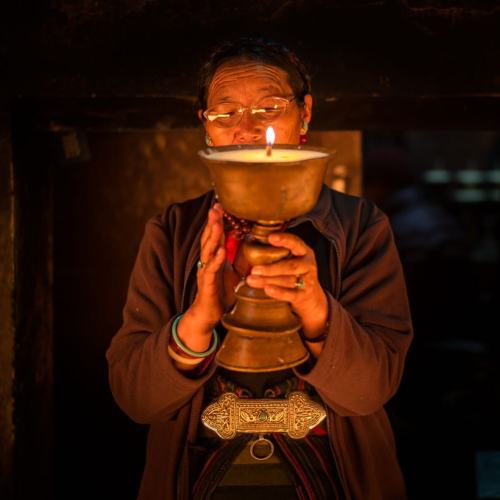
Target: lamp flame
x=270 y=136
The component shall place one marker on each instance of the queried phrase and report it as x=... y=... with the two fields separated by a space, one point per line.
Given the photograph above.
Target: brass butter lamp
x=267 y=187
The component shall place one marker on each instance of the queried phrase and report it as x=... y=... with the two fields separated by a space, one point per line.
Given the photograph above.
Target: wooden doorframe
x=26 y=340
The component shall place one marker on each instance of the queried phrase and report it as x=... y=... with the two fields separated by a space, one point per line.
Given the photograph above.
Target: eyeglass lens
x=229 y=114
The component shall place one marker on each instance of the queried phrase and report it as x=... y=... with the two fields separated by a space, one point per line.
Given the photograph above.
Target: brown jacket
x=358 y=371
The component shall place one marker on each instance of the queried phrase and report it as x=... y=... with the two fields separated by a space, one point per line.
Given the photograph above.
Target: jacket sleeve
x=370 y=329
x=144 y=381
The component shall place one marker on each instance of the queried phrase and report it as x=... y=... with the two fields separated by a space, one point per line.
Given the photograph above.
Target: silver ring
x=200 y=264
x=299 y=283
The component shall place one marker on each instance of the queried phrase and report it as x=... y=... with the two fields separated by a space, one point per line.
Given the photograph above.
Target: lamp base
x=262 y=332
x=262 y=335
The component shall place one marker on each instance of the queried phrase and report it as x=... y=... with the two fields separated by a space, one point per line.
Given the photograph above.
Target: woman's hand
x=195 y=326
x=279 y=282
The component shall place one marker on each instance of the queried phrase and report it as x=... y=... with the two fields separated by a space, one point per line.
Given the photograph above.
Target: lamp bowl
x=259 y=188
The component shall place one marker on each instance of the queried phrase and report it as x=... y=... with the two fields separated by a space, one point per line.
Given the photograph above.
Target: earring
x=303 y=132
x=208 y=141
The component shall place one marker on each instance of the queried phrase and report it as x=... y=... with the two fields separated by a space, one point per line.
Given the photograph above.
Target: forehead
x=240 y=80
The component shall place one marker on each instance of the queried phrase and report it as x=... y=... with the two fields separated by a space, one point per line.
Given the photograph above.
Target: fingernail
x=257 y=271
x=275 y=237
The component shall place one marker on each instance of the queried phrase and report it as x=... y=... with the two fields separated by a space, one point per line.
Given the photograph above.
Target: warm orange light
x=270 y=138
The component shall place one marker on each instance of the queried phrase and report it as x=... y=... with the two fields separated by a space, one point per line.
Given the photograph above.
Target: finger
x=280 y=281
x=214 y=214
x=287 y=240
x=220 y=217
x=217 y=236
x=214 y=264
x=208 y=227
x=212 y=243
x=206 y=233
x=208 y=275
x=285 y=267
x=285 y=294
x=218 y=208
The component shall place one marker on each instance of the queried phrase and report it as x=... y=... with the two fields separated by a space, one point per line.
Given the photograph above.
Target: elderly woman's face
x=247 y=83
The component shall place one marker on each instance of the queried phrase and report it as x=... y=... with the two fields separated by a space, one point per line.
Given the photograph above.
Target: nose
x=249 y=131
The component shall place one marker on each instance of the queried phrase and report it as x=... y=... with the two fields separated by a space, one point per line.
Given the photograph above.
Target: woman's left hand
x=279 y=281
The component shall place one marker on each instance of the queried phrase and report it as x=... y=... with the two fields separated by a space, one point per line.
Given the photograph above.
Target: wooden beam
x=155 y=49
x=330 y=112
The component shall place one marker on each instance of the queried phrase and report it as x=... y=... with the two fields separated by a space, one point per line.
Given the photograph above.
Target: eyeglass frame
x=242 y=109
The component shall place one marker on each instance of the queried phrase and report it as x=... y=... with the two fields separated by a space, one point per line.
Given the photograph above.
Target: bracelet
x=182 y=359
x=179 y=351
x=185 y=349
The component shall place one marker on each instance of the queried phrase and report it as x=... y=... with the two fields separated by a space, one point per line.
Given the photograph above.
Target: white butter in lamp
x=279 y=155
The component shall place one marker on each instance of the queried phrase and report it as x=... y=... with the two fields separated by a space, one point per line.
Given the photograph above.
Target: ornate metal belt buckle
x=296 y=415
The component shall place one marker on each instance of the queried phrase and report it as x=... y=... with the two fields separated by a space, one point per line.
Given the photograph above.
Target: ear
x=306 y=110
x=200 y=117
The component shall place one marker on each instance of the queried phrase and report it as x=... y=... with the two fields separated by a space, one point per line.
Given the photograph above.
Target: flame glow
x=270 y=136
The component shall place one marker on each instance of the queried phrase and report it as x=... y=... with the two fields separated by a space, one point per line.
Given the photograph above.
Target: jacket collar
x=322 y=215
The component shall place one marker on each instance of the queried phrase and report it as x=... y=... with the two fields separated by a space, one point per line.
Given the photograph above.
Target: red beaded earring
x=303 y=132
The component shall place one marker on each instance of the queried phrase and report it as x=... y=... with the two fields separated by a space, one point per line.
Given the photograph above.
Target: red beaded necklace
x=239 y=226
x=238 y=229
x=235 y=232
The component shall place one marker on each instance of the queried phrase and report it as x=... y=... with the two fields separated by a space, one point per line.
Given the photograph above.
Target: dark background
x=97 y=133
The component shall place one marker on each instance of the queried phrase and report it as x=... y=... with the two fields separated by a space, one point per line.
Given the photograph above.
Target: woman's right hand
x=195 y=326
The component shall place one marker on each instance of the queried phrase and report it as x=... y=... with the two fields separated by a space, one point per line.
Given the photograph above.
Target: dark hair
x=259 y=50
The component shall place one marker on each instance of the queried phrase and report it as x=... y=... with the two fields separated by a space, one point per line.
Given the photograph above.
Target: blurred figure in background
x=422 y=229
x=429 y=239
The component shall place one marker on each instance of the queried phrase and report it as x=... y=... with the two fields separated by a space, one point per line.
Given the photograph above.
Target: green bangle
x=185 y=349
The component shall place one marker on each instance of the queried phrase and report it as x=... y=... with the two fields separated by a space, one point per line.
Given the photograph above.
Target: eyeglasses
x=229 y=114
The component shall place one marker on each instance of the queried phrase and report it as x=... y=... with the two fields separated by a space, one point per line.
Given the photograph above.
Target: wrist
x=193 y=333
x=195 y=321
x=200 y=319
x=184 y=357
x=316 y=334
x=315 y=324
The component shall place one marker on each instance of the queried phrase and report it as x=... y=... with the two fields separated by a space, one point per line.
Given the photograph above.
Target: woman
x=343 y=280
